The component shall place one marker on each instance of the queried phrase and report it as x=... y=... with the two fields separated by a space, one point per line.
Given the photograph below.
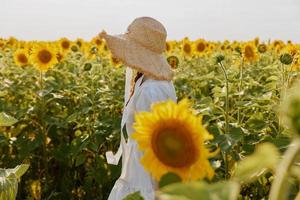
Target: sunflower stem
x=283 y=92
x=226 y=117
x=43 y=129
x=240 y=88
x=226 y=99
x=279 y=187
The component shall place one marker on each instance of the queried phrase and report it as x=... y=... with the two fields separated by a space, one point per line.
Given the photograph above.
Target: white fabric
x=133 y=176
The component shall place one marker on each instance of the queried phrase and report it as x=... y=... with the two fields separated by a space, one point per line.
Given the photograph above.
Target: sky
x=208 y=19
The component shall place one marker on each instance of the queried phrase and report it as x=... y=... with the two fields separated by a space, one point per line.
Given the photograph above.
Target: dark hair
x=138 y=75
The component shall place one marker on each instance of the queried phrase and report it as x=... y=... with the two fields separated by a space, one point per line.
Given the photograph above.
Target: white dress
x=133 y=176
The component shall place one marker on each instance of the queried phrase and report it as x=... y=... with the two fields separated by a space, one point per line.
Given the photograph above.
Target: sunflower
x=2 y=43
x=172 y=139
x=115 y=61
x=173 y=61
x=97 y=41
x=278 y=45
x=65 y=44
x=12 y=41
x=296 y=64
x=21 y=57
x=90 y=51
x=249 y=52
x=60 y=56
x=262 y=48
x=79 y=42
x=200 y=47
x=43 y=56
x=186 y=47
x=290 y=48
x=170 y=46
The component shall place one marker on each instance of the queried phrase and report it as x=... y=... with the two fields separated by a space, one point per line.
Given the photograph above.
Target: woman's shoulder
x=157 y=87
x=149 y=82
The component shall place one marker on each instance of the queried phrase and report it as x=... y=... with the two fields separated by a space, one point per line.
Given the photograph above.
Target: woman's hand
x=102 y=34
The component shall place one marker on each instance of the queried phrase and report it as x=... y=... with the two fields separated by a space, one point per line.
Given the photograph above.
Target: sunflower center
x=98 y=42
x=249 y=52
x=174 y=147
x=22 y=58
x=200 y=47
x=173 y=61
x=79 y=43
x=44 y=56
x=115 y=60
x=59 y=56
x=187 y=48
x=65 y=44
x=262 y=48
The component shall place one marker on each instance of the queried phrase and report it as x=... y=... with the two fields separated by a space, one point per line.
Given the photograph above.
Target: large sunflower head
x=172 y=138
x=250 y=52
x=21 y=57
x=43 y=56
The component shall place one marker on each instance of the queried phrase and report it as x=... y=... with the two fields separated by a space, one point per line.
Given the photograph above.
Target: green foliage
x=169 y=178
x=200 y=191
x=134 y=196
x=9 y=181
x=264 y=158
x=64 y=123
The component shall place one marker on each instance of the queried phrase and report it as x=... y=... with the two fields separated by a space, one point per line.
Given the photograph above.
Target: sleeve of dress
x=150 y=94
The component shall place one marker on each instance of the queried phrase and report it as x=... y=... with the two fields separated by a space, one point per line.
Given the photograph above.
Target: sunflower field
x=61 y=105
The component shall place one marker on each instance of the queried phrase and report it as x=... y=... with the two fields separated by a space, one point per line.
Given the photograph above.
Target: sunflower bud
x=238 y=49
x=94 y=50
x=286 y=59
x=290 y=109
x=262 y=48
x=74 y=48
x=87 y=66
x=173 y=61
x=219 y=58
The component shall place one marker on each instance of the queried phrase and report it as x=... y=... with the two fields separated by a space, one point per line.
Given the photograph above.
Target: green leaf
x=20 y=170
x=265 y=157
x=256 y=124
x=134 y=196
x=236 y=134
x=9 y=181
x=80 y=160
x=226 y=190
x=169 y=178
x=6 y=120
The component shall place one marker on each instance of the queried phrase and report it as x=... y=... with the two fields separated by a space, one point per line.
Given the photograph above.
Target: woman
x=140 y=48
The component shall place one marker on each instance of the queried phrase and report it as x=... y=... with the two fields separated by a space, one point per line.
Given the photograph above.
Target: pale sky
x=208 y=19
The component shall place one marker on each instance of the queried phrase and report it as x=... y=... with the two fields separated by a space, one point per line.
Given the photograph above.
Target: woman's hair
x=138 y=75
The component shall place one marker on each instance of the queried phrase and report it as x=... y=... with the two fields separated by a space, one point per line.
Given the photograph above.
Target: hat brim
x=138 y=57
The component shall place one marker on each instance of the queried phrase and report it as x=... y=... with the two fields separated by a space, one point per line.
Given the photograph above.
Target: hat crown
x=149 y=33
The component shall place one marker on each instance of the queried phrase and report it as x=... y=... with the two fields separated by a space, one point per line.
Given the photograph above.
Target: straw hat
x=142 y=47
